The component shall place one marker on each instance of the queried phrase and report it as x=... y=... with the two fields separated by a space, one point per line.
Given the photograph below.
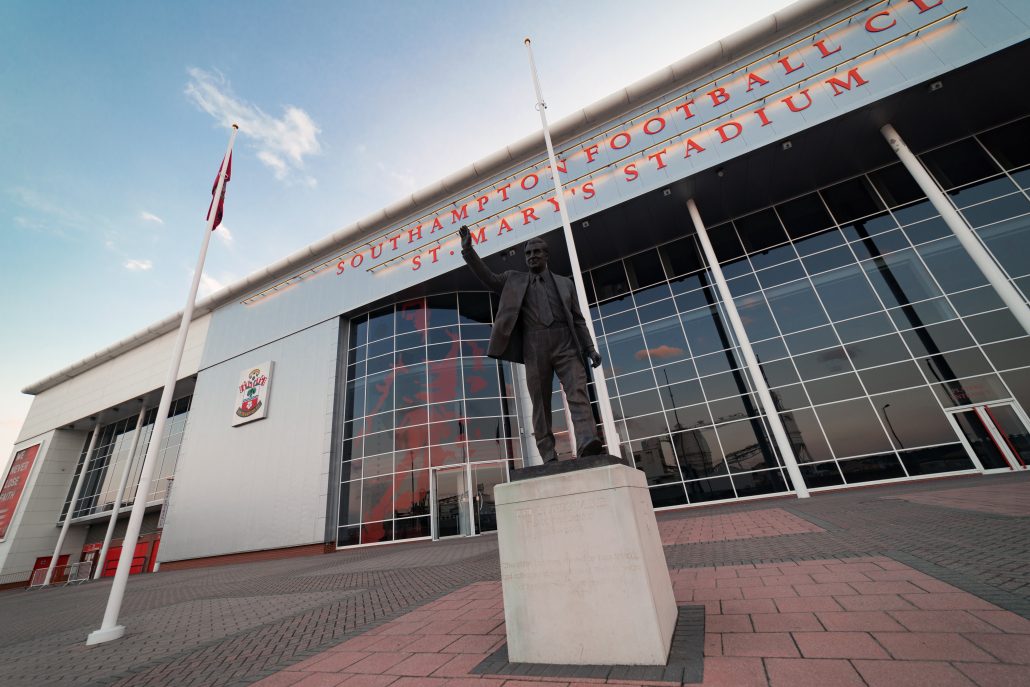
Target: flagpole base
x=105 y=635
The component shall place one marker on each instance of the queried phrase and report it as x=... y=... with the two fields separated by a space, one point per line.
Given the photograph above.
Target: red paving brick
x=859 y=621
x=930 y=646
x=910 y=674
x=785 y=622
x=785 y=672
x=770 y=522
x=838 y=645
x=761 y=645
x=995 y=674
x=1006 y=648
x=734 y=672
x=940 y=621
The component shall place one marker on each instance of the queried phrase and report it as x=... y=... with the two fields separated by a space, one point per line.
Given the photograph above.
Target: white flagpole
x=118 y=494
x=110 y=629
x=71 y=506
x=611 y=436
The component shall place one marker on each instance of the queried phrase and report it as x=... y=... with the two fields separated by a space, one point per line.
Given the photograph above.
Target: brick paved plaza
x=913 y=584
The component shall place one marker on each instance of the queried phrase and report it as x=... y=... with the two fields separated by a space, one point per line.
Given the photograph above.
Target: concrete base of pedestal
x=583 y=570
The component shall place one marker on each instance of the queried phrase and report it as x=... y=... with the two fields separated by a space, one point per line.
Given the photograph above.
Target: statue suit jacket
x=506 y=336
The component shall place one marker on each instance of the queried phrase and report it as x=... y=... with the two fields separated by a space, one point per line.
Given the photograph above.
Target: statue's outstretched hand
x=595 y=358
x=466 y=237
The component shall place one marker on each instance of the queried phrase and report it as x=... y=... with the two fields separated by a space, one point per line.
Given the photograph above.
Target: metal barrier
x=73 y=573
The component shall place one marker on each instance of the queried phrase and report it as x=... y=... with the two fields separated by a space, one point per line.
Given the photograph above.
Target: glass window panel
x=994 y=326
x=378 y=465
x=411 y=436
x=868 y=227
x=410 y=384
x=380 y=324
x=871 y=468
x=641 y=403
x=781 y=274
x=411 y=493
x=620 y=321
x=674 y=372
x=626 y=351
x=896 y=185
x=758 y=321
x=881 y=244
x=852 y=428
x=447 y=454
x=790 y=397
x=690 y=283
x=819 y=242
x=646 y=426
x=955 y=364
x=444 y=381
x=828 y=260
x=359 y=331
x=411 y=317
x=771 y=349
x=845 y=293
x=655 y=458
x=780 y=372
x=1009 y=354
x=944 y=336
x=1009 y=144
x=681 y=394
x=705 y=331
x=379 y=364
x=487 y=450
x=711 y=364
x=698 y=453
x=705 y=490
x=925 y=313
x=375 y=532
x=851 y=199
x=652 y=294
x=757 y=483
x=806 y=438
x=1019 y=382
x=823 y=363
x=976 y=301
x=742 y=285
x=725 y=242
x=637 y=381
x=928 y=461
x=348 y=536
x=973 y=390
x=411 y=528
x=689 y=416
x=474 y=307
x=951 y=265
x=746 y=446
x=733 y=408
x=997 y=210
x=914 y=418
x=610 y=281
x=804 y=215
x=644 y=269
x=665 y=342
x=681 y=256
x=695 y=299
x=656 y=311
x=1009 y=242
x=959 y=163
x=878 y=351
x=411 y=459
x=890 y=377
x=614 y=306
x=442 y=310
x=900 y=279
x=379 y=393
x=982 y=191
x=929 y=230
x=481 y=380
x=836 y=388
x=916 y=212
x=795 y=307
x=379 y=423
x=724 y=384
x=821 y=475
x=376 y=498
x=668 y=495
x=760 y=231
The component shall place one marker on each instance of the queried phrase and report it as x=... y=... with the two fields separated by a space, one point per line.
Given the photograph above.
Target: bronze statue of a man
x=539 y=323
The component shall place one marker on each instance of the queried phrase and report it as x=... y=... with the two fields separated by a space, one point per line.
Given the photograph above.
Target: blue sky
x=115 y=115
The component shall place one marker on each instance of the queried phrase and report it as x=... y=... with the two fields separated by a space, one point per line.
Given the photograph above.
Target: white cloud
x=150 y=217
x=138 y=265
x=283 y=143
x=223 y=233
x=403 y=182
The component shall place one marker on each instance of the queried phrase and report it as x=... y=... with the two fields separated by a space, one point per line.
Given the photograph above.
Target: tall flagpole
x=110 y=629
x=611 y=436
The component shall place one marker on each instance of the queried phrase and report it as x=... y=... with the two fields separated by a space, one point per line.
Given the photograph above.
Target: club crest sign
x=252 y=394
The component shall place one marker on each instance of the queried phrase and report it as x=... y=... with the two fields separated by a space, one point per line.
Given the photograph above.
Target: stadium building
x=760 y=195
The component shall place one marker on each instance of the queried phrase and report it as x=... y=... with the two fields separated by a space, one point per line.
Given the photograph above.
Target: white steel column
x=764 y=397
x=524 y=410
x=110 y=629
x=611 y=436
x=966 y=236
x=118 y=494
x=71 y=506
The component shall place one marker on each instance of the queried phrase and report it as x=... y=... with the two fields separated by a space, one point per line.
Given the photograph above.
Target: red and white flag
x=221 y=199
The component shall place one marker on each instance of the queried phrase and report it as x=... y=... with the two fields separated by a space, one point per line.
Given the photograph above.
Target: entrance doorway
x=995 y=434
x=463 y=498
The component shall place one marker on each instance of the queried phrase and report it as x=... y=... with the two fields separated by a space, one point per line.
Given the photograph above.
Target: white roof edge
x=693 y=66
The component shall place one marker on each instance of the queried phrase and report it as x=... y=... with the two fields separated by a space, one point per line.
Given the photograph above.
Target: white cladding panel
x=130 y=375
x=264 y=484
x=33 y=532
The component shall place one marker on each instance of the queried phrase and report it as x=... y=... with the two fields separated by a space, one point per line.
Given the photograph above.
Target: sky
x=114 y=117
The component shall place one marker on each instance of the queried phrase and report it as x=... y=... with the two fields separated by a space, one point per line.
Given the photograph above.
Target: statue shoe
x=591 y=448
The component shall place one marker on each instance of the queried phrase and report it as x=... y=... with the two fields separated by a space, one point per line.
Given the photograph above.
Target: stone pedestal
x=583 y=570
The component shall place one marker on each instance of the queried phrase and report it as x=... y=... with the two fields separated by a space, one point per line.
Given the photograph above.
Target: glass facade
x=111 y=452
x=868 y=318
x=421 y=394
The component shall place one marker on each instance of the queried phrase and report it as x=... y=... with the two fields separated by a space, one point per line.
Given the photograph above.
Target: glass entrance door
x=996 y=434
x=463 y=499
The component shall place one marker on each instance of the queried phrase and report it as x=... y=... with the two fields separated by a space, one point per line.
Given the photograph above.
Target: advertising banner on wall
x=14 y=485
x=252 y=394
